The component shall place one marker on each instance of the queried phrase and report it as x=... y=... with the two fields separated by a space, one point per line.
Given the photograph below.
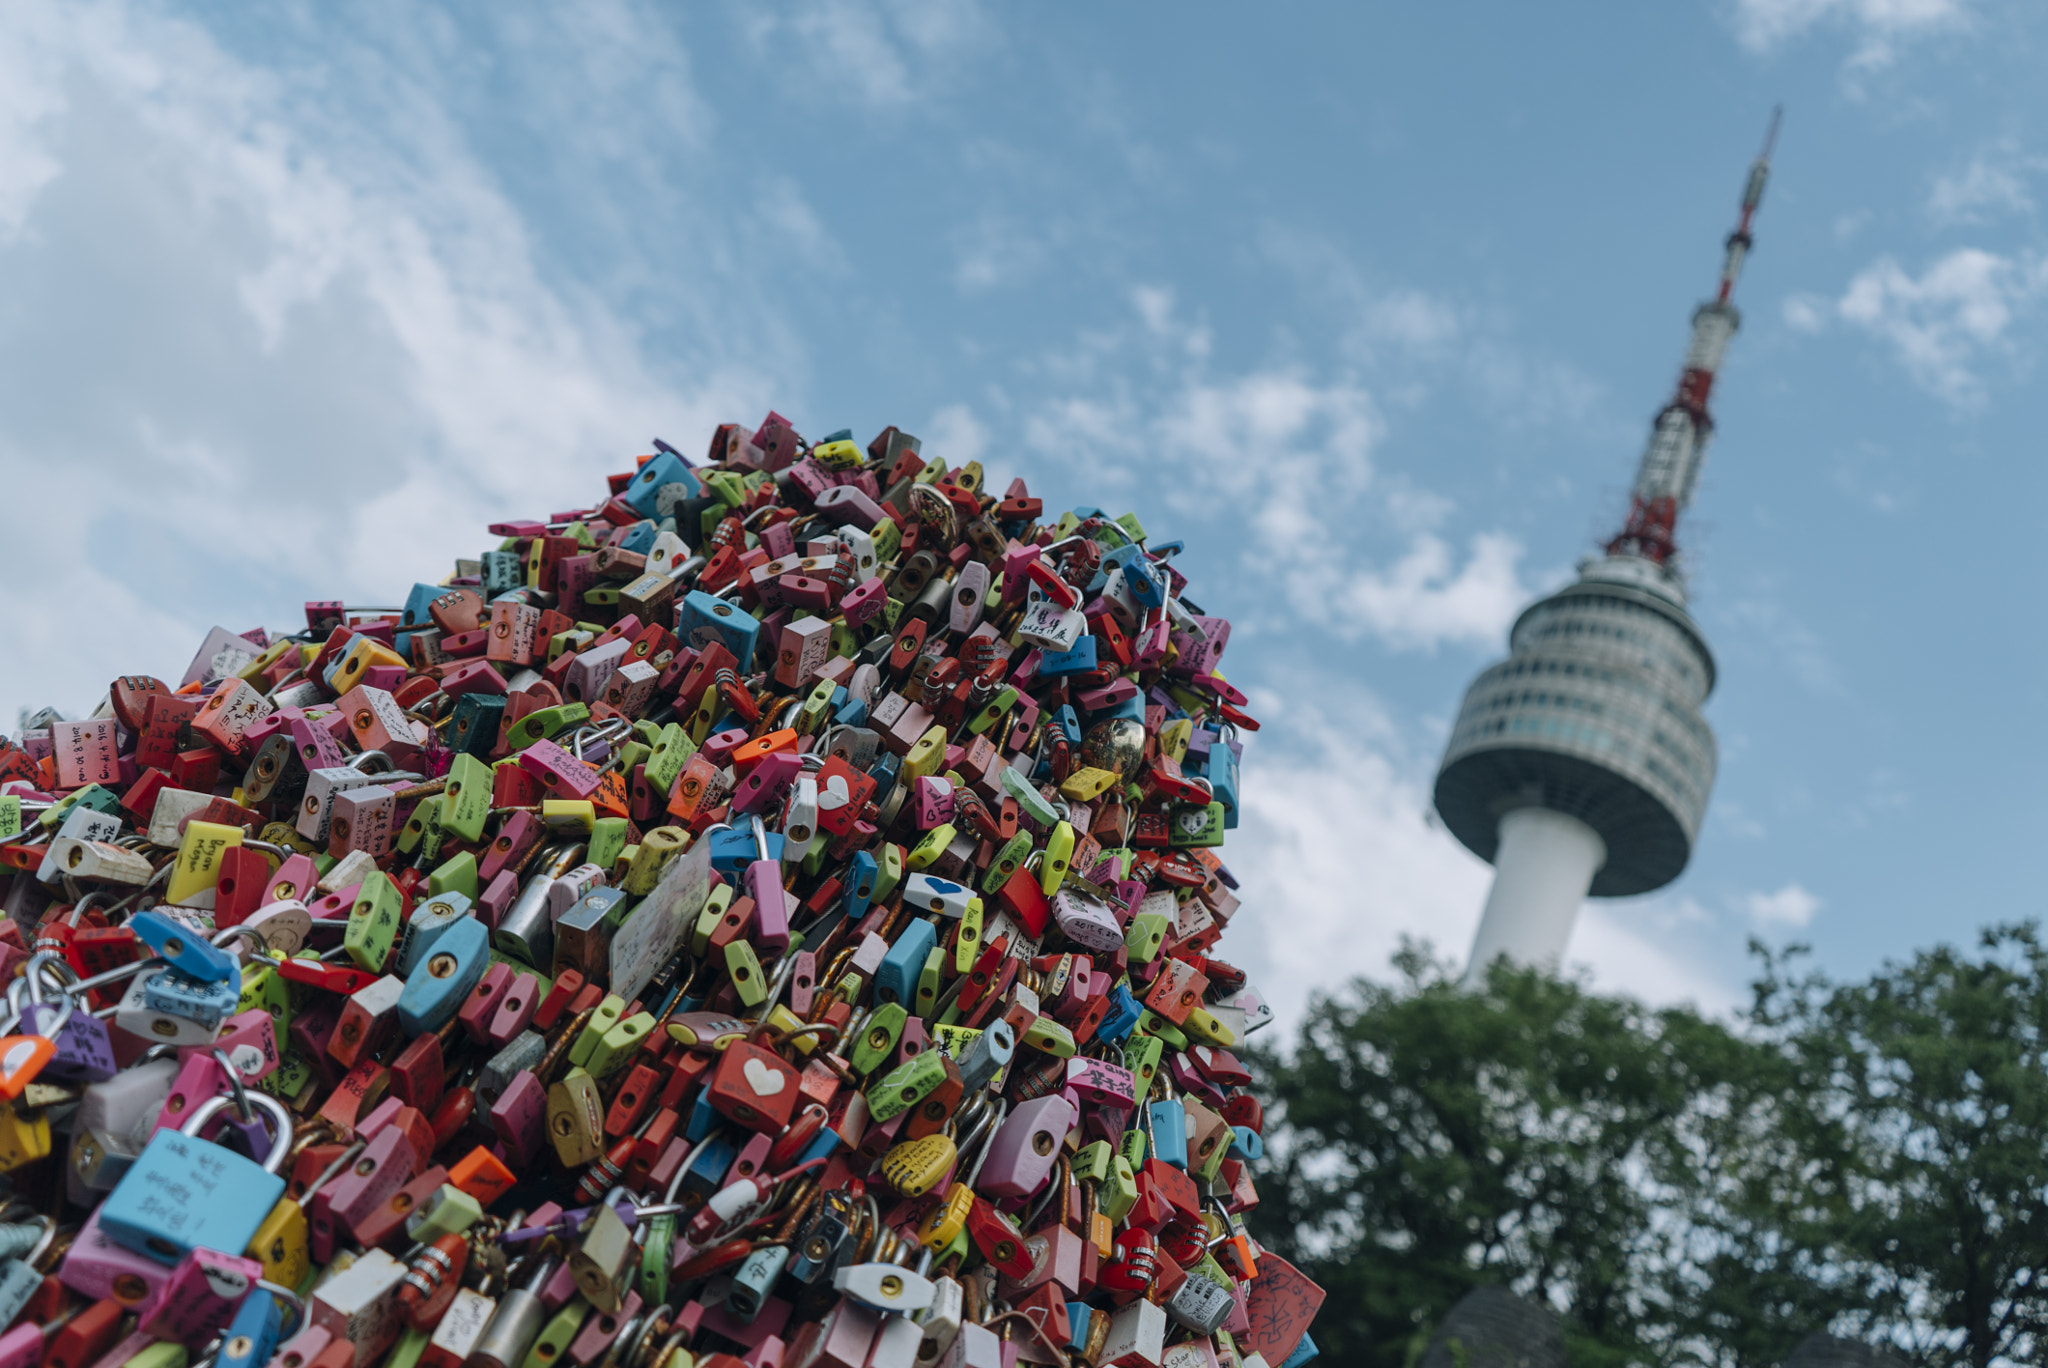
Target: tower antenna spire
x=1679 y=436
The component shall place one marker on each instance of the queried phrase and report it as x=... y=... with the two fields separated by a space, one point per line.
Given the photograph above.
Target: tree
x=1535 y=1134
x=1929 y=1083
x=1868 y=1158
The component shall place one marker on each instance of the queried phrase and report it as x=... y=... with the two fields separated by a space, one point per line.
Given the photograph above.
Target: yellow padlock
x=24 y=1136
x=948 y=1219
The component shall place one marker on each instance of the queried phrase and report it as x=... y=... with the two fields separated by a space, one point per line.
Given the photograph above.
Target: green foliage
x=1864 y=1157
x=1926 y=1089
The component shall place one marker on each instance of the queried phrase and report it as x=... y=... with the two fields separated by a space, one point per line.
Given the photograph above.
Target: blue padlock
x=1079 y=1319
x=1221 y=772
x=209 y=1004
x=446 y=977
x=708 y=1173
x=1080 y=660
x=504 y=571
x=734 y=848
x=705 y=619
x=639 y=537
x=1145 y=581
x=184 y=949
x=896 y=980
x=1122 y=1016
x=430 y=921
x=253 y=1334
x=183 y=1192
x=415 y=617
x=1068 y=721
x=860 y=884
x=704 y=1119
x=823 y=1145
x=665 y=469
x=1246 y=1144
x=1169 y=1133
x=751 y=1284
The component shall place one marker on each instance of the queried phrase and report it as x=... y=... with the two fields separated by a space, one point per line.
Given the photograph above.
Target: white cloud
x=1992 y=184
x=996 y=253
x=1340 y=860
x=884 y=53
x=1612 y=945
x=955 y=434
x=1878 y=25
x=1943 y=324
x=1790 y=907
x=1290 y=460
x=275 y=354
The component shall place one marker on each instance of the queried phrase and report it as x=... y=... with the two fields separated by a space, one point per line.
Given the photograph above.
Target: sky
x=1370 y=304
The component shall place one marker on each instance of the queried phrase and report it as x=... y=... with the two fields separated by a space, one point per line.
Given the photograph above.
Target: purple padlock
x=85 y=1054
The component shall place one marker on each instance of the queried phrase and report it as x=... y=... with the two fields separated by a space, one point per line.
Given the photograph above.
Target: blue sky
x=1373 y=304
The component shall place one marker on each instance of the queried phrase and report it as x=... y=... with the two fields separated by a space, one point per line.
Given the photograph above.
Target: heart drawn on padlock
x=765 y=1081
x=834 y=794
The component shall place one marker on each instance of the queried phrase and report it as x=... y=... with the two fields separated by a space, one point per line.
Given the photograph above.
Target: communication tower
x=1580 y=764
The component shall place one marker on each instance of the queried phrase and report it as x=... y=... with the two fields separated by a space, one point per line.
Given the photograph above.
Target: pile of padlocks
x=764 y=918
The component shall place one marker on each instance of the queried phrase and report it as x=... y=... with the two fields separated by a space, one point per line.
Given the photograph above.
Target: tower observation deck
x=1581 y=764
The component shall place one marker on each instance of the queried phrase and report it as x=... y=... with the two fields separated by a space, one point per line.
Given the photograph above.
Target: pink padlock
x=561 y=774
x=519 y=1117
x=362 y=820
x=476 y=677
x=718 y=748
x=600 y=1330
x=249 y=1040
x=96 y=1267
x=515 y=1009
x=764 y=783
x=847 y=504
x=293 y=881
x=376 y=722
x=480 y=1008
x=763 y=883
x=1025 y=1148
x=933 y=797
x=358 y=1190
x=200 y=1077
x=864 y=603
x=748 y=1162
x=1101 y=1083
x=222 y=719
x=200 y=1297
x=592 y=669
x=1086 y=921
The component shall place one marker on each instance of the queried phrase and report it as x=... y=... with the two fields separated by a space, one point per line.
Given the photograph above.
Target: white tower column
x=1544 y=866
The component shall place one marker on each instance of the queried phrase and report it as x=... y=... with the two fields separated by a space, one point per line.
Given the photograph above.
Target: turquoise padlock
x=183 y=1192
x=186 y=950
x=447 y=976
x=253 y=1334
x=1169 y=1133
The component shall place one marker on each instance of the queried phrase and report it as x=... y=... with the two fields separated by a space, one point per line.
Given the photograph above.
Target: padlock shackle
x=213 y=1106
